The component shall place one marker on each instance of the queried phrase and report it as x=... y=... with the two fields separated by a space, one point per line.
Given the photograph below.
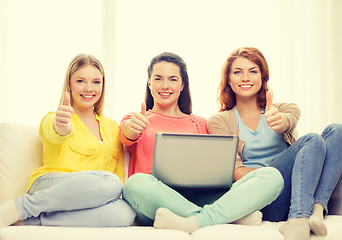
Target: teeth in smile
x=165 y=94
x=87 y=96
x=246 y=86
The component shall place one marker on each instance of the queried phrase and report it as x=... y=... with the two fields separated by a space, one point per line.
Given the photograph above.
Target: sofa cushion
x=65 y=233
x=266 y=231
x=20 y=154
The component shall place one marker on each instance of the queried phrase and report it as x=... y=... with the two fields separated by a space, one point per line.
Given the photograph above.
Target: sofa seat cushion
x=267 y=230
x=72 y=233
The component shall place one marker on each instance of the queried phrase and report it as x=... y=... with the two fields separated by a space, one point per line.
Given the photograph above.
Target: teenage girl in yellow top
x=82 y=176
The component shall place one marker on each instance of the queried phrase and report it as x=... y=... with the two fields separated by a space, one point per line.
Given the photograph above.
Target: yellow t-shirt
x=80 y=150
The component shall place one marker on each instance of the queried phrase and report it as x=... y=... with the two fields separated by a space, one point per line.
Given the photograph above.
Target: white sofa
x=20 y=153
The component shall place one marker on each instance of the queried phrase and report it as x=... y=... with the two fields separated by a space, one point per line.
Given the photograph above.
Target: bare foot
x=165 y=219
x=255 y=218
x=296 y=229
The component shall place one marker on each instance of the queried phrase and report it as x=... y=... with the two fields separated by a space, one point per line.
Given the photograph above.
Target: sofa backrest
x=335 y=202
x=20 y=154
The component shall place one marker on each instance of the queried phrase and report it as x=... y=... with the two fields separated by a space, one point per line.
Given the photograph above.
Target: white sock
x=254 y=218
x=296 y=229
x=316 y=221
x=165 y=219
x=8 y=213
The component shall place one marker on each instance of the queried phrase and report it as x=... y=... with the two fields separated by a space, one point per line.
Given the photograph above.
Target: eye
x=254 y=71
x=237 y=72
x=97 y=82
x=79 y=81
x=157 y=79
x=174 y=79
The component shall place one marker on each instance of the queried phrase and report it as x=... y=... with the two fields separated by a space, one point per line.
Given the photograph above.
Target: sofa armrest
x=335 y=203
x=20 y=154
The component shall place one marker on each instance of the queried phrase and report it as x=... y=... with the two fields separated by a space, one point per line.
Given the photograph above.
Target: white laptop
x=195 y=160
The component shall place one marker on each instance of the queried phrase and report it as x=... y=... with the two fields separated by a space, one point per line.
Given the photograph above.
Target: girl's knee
x=105 y=183
x=334 y=128
x=313 y=137
x=112 y=179
x=273 y=175
x=315 y=140
x=139 y=187
x=137 y=183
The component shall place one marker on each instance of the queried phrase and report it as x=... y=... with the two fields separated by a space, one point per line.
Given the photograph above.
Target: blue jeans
x=252 y=192
x=311 y=168
x=77 y=199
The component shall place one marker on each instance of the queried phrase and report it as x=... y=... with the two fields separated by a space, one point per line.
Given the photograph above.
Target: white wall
x=334 y=107
x=299 y=38
x=40 y=39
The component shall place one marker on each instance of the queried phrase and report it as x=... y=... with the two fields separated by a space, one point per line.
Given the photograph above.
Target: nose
x=165 y=84
x=245 y=76
x=88 y=87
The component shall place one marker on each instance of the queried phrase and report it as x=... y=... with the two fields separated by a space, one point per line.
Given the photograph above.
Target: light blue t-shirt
x=262 y=146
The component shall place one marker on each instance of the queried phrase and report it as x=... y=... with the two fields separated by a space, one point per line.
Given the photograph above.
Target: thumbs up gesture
x=136 y=124
x=275 y=119
x=63 y=115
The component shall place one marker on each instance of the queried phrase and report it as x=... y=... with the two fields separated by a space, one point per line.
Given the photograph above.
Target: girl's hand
x=275 y=119
x=136 y=124
x=63 y=115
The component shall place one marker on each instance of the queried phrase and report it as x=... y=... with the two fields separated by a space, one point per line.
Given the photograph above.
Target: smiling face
x=245 y=78
x=86 y=87
x=166 y=85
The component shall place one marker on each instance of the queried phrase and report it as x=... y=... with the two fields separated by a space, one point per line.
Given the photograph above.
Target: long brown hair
x=226 y=96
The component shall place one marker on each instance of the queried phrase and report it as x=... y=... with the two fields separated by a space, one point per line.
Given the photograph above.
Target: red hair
x=226 y=96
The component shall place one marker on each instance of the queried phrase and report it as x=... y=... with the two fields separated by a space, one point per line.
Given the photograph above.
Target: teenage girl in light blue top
x=310 y=166
x=253 y=156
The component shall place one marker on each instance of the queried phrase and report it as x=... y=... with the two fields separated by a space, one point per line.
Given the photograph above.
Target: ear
x=182 y=86
x=149 y=83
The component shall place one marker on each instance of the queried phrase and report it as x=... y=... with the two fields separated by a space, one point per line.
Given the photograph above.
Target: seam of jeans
x=301 y=215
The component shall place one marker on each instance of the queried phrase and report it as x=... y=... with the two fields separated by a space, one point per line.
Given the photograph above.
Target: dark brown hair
x=184 y=100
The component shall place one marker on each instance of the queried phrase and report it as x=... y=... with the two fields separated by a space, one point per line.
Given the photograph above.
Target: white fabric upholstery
x=267 y=230
x=20 y=153
x=63 y=233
